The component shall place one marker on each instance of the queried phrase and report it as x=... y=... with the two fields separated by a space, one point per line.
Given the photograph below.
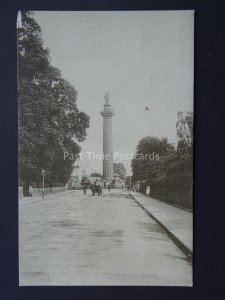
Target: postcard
x=105 y=104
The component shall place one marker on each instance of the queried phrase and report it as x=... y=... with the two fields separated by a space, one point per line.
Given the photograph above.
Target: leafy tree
x=185 y=136
x=128 y=181
x=83 y=179
x=49 y=121
x=150 y=157
x=95 y=174
x=169 y=171
x=119 y=169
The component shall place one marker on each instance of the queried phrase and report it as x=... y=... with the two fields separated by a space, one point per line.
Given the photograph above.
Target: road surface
x=75 y=239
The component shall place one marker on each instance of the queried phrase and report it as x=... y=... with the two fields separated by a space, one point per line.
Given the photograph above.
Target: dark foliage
x=170 y=173
x=49 y=120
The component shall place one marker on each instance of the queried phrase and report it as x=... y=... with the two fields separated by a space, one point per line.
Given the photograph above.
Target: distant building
x=73 y=183
x=119 y=183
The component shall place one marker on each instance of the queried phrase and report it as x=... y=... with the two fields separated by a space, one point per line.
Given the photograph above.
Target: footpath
x=177 y=223
x=52 y=196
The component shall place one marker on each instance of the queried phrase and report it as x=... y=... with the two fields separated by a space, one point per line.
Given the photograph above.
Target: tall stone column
x=107 y=114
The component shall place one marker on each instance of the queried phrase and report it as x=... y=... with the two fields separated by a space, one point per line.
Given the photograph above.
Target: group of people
x=136 y=188
x=96 y=188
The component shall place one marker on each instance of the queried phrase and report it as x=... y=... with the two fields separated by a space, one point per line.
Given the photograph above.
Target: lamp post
x=43 y=183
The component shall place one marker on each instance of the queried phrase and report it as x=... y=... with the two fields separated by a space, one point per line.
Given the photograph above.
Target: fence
x=38 y=191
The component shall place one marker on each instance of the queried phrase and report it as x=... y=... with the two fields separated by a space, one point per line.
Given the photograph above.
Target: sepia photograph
x=105 y=147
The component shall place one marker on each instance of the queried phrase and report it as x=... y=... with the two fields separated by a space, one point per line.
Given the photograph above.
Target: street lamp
x=43 y=183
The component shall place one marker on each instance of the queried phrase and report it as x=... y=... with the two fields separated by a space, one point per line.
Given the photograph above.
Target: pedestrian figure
x=84 y=189
x=93 y=189
x=109 y=187
x=99 y=189
x=137 y=187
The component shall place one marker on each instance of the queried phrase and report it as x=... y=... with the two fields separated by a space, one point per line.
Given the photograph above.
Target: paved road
x=75 y=239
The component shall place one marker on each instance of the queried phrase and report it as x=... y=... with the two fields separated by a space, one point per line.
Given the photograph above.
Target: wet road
x=76 y=239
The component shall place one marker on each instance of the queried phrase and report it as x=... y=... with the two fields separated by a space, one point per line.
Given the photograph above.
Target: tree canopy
x=49 y=121
x=168 y=170
x=151 y=155
x=119 y=169
x=185 y=136
x=96 y=174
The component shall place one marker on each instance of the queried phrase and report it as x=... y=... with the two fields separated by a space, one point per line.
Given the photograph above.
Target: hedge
x=175 y=189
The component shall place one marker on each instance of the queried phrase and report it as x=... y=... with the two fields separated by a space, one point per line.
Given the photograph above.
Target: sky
x=142 y=59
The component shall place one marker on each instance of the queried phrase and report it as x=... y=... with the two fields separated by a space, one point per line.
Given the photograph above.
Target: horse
x=96 y=189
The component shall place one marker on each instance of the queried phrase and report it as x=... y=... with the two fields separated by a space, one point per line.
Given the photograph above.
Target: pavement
x=38 y=198
x=74 y=239
x=177 y=222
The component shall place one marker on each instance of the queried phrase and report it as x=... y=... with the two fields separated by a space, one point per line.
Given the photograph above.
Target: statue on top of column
x=107 y=95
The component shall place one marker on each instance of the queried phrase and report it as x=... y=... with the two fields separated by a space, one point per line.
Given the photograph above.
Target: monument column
x=107 y=114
